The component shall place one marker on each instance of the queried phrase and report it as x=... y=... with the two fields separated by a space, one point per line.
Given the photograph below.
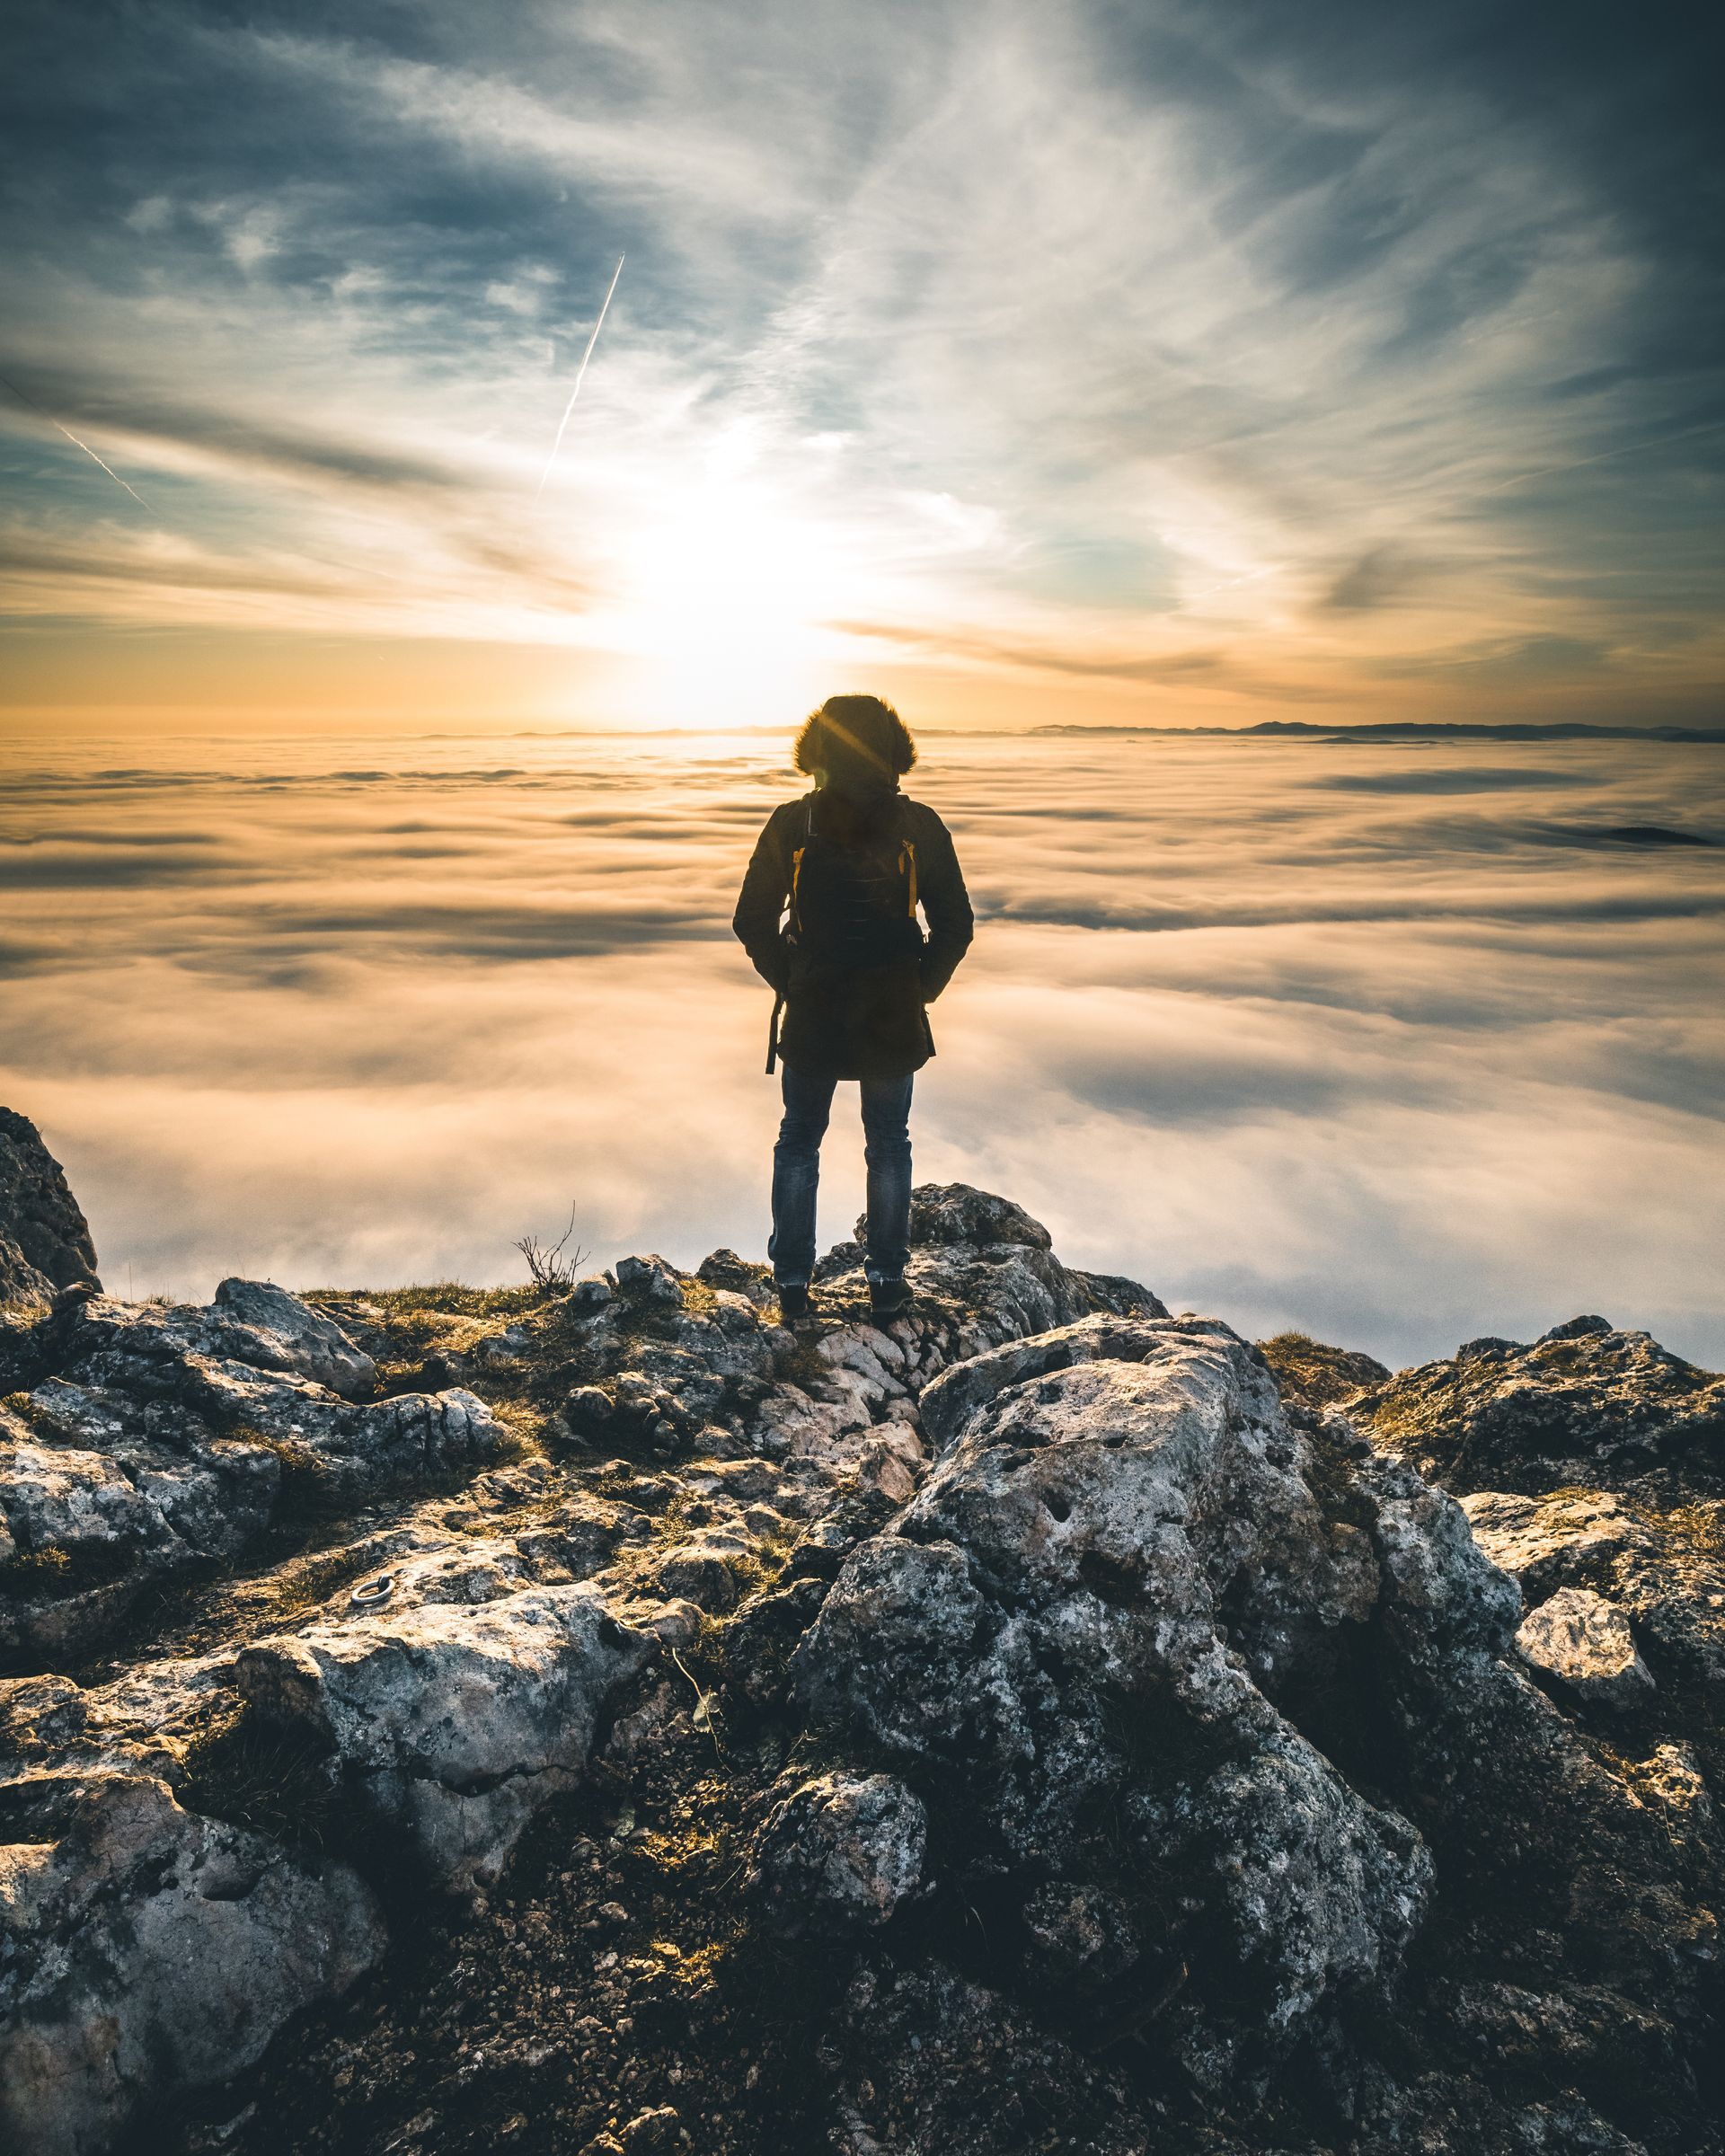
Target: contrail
x=1604 y=457
x=581 y=374
x=75 y=443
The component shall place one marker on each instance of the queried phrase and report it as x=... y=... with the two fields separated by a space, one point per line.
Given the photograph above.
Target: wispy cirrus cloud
x=1183 y=357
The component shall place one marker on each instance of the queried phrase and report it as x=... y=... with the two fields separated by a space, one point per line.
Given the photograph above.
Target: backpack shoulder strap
x=796 y=865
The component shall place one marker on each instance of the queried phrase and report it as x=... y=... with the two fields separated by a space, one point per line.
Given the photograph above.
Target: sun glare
x=728 y=598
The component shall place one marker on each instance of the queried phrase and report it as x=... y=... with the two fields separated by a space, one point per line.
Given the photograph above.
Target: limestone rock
x=1661 y=1563
x=149 y=1720
x=839 y=1852
x=1542 y=1542
x=61 y=1498
x=955 y=1212
x=1090 y=1512
x=1585 y=1642
x=257 y=1322
x=149 y=1950
x=651 y=1279
x=454 y=1722
x=170 y=1436
x=1142 y=1725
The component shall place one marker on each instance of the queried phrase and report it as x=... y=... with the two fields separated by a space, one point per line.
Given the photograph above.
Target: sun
x=728 y=596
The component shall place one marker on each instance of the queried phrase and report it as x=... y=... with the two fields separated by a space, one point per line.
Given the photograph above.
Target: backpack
x=848 y=908
x=852 y=906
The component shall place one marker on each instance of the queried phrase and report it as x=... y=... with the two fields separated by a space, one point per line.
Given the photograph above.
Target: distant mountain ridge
x=1412 y=729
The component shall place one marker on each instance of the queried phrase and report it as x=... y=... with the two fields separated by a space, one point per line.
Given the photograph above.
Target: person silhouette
x=829 y=916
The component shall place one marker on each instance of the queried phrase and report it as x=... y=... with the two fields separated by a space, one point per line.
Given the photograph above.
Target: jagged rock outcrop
x=1590 y=1463
x=1027 y=1725
x=44 y=1239
x=1585 y=1404
x=1656 y=1556
x=1119 y=1593
x=158 y=1440
x=443 y=1678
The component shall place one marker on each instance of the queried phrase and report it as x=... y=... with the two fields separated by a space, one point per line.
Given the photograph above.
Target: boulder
x=450 y=1721
x=1585 y=1642
x=173 y=1436
x=947 y=1213
x=149 y=1950
x=1661 y=1562
x=257 y=1322
x=61 y=1500
x=651 y=1279
x=150 y=1719
x=838 y=1853
x=1544 y=1542
x=1078 y=1615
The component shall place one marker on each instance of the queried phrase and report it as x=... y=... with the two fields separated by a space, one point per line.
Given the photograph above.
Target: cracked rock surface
x=450 y=1720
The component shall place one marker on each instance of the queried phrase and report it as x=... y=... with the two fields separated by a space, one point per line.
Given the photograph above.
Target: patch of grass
x=25 y=1407
x=1314 y=1374
x=274 y=1781
x=447 y=1298
x=1702 y=1526
x=52 y=1574
x=53 y=1559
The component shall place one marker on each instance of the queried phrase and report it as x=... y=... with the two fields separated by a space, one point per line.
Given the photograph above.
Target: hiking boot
x=794 y=1305
x=888 y=1300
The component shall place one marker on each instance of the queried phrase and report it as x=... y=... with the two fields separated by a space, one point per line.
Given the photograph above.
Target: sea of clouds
x=1399 y=1044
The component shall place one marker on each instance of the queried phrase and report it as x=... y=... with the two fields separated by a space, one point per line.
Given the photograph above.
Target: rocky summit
x=597 y=1718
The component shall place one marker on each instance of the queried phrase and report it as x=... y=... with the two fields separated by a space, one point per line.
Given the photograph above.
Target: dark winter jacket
x=852 y=995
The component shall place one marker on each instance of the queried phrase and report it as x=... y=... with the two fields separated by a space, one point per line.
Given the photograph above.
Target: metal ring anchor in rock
x=371 y=1594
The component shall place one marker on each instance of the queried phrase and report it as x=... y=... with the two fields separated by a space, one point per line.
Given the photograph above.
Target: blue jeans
x=796 y=1174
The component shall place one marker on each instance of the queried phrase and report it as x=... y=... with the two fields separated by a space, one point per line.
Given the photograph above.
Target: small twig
x=551 y=1271
x=704 y=1717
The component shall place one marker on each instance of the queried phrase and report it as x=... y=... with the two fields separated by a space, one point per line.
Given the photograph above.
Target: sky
x=1160 y=361
x=377 y=763
x=1398 y=1043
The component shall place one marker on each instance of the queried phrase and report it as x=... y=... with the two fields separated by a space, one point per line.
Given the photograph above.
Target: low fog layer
x=1396 y=1044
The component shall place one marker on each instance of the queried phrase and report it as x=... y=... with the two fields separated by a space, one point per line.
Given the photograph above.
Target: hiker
x=828 y=914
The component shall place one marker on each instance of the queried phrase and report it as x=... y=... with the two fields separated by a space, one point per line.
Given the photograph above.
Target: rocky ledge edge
x=611 y=1722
